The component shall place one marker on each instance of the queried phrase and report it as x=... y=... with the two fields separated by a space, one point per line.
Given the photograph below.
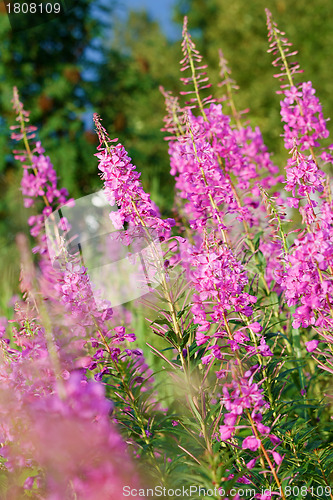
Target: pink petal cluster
x=219 y=280
x=123 y=186
x=238 y=397
x=311 y=345
x=255 y=151
x=44 y=417
x=304 y=121
x=200 y=176
x=304 y=279
x=40 y=179
x=303 y=173
x=242 y=397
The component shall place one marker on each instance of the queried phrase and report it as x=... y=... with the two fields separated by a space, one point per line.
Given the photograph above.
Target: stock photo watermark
x=122 y=265
x=250 y=493
x=26 y=14
x=185 y=492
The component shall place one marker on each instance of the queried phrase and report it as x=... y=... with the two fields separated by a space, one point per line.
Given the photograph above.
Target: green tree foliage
x=239 y=29
x=46 y=63
x=137 y=61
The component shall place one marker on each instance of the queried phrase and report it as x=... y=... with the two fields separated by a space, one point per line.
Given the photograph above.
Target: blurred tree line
x=45 y=63
x=90 y=60
x=239 y=29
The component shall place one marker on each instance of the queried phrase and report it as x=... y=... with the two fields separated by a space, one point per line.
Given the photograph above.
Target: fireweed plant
x=240 y=406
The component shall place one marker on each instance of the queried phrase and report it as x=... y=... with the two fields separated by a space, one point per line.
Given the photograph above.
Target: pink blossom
x=255 y=327
x=311 y=255
x=277 y=457
x=220 y=279
x=226 y=432
x=122 y=185
x=302 y=113
x=311 y=345
x=264 y=496
x=251 y=463
x=251 y=443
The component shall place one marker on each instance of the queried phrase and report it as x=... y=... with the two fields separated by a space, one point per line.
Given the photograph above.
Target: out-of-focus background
x=111 y=57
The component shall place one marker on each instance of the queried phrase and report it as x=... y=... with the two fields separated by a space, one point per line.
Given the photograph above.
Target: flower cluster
x=202 y=175
x=303 y=174
x=123 y=186
x=56 y=361
x=219 y=280
x=255 y=151
x=241 y=307
x=245 y=396
x=304 y=121
x=39 y=180
x=46 y=433
x=306 y=279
